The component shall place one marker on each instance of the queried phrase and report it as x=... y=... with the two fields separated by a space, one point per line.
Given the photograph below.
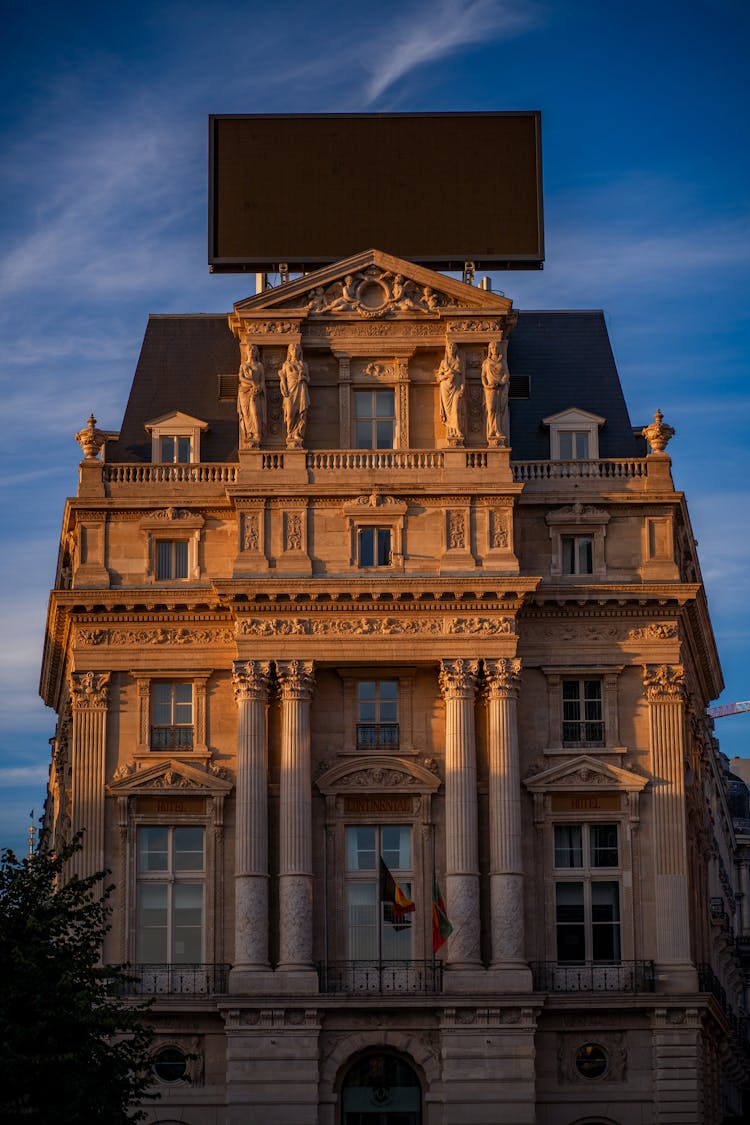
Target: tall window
x=374 y=931
x=587 y=906
x=171 y=715
x=577 y=554
x=171 y=559
x=377 y=715
x=574 y=445
x=583 y=718
x=374 y=546
x=375 y=418
x=174 y=449
x=171 y=877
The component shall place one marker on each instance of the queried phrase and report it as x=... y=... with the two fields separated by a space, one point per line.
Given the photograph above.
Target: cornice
x=620 y=593
x=338 y=593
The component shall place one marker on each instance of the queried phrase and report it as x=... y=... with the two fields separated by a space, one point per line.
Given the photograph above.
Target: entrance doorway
x=381 y=1089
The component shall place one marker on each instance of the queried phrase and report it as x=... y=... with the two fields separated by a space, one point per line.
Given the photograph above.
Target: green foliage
x=70 y=1049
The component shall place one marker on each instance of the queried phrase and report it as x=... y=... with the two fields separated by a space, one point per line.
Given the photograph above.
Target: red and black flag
x=441 y=925
x=396 y=905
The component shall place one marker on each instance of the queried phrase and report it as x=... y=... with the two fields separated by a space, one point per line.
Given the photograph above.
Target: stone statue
x=495 y=381
x=348 y=299
x=251 y=398
x=294 y=378
x=450 y=377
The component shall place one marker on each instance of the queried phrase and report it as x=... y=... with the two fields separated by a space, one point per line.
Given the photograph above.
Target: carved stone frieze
x=664 y=683
x=655 y=631
x=475 y=324
x=89 y=691
x=293 y=531
x=372 y=292
x=499 y=535
x=251 y=531
x=578 y=514
x=378 y=777
x=585 y=631
x=456 y=532
x=373 y=626
x=250 y=680
x=160 y=635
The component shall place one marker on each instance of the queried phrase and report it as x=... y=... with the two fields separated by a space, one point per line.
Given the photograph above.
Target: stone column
x=506 y=864
x=295 y=826
x=89 y=695
x=458 y=683
x=251 y=835
x=664 y=686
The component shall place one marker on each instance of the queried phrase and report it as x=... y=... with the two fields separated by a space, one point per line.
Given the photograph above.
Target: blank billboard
x=439 y=189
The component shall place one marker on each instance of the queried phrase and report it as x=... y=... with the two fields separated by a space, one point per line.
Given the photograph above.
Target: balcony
x=625 y=471
x=373 y=737
x=381 y=977
x=172 y=738
x=624 y=976
x=177 y=980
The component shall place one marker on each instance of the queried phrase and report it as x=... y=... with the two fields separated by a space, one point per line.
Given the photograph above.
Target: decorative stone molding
x=664 y=683
x=136 y=638
x=89 y=691
x=502 y=677
x=172 y=523
x=489 y=1017
x=250 y=680
x=574 y=520
x=655 y=631
x=379 y=773
x=584 y=774
x=377 y=626
x=458 y=678
x=167 y=776
x=296 y=678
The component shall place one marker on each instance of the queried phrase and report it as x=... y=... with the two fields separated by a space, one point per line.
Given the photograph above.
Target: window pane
x=167 y=449
x=363 y=404
x=603 y=845
x=183 y=449
x=585 y=556
x=362 y=913
x=384 y=546
x=188 y=923
x=363 y=433
x=180 y=559
x=571 y=930
x=384 y=434
x=568 y=554
x=188 y=849
x=360 y=849
x=582 y=445
x=566 y=445
x=605 y=918
x=152 y=923
x=568 y=845
x=163 y=559
x=152 y=849
x=366 y=702
x=367 y=546
x=396 y=846
x=161 y=694
x=384 y=404
x=183 y=704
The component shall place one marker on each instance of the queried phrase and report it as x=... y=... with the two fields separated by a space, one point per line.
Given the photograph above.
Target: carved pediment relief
x=371 y=285
x=377 y=775
x=585 y=772
x=166 y=777
x=578 y=514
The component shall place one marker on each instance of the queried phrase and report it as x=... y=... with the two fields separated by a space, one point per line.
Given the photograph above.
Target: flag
x=396 y=904
x=441 y=925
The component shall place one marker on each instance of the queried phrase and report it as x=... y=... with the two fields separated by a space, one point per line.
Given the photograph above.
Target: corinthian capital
x=664 y=683
x=89 y=690
x=458 y=678
x=503 y=677
x=250 y=680
x=295 y=678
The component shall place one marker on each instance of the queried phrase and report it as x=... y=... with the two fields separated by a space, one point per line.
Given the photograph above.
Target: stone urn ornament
x=90 y=439
x=658 y=434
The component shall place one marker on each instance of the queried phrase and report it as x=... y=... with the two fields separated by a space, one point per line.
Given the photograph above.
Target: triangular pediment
x=175 y=418
x=370 y=285
x=585 y=772
x=169 y=776
x=378 y=774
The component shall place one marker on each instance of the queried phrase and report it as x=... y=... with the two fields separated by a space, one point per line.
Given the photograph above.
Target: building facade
x=381 y=656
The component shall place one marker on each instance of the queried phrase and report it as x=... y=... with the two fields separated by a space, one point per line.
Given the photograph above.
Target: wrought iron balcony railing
x=622 y=976
x=177 y=980
x=391 y=977
x=172 y=738
x=377 y=736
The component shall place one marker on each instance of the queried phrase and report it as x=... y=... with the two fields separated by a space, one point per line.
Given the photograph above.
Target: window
x=171 y=559
x=574 y=445
x=578 y=536
x=170 y=1064
x=582 y=714
x=374 y=419
x=171 y=874
x=171 y=715
x=587 y=908
x=377 y=715
x=374 y=546
x=577 y=554
x=175 y=449
x=374 y=930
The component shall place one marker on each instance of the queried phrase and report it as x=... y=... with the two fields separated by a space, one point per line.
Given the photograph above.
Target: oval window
x=170 y=1064
x=591 y=1061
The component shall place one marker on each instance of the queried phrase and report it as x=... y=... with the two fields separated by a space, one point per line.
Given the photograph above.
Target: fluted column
x=506 y=864
x=89 y=696
x=664 y=686
x=250 y=681
x=295 y=842
x=458 y=684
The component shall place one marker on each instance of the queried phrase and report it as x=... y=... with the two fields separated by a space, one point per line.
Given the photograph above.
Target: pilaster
x=89 y=694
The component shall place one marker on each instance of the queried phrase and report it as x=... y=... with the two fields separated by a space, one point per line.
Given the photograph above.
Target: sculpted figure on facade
x=348 y=299
x=251 y=398
x=294 y=379
x=450 y=377
x=495 y=381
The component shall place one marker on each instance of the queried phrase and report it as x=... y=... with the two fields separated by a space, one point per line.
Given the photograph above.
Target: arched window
x=381 y=1089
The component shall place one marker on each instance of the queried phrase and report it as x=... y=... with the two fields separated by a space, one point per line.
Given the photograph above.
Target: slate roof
x=567 y=356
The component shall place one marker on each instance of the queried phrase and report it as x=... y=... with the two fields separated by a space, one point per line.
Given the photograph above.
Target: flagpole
x=432 y=896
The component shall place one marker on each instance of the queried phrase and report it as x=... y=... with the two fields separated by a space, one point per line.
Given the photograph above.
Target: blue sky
x=103 y=210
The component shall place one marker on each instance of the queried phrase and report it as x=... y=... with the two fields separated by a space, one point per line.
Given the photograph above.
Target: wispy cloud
x=432 y=32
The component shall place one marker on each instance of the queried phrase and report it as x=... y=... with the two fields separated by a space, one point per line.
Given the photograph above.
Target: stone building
x=404 y=613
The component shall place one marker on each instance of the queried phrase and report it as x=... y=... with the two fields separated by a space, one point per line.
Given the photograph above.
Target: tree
x=72 y=1050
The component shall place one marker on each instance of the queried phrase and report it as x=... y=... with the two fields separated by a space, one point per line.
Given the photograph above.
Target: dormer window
x=176 y=439
x=573 y=435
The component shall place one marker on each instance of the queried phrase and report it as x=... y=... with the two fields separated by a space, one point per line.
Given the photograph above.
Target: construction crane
x=728 y=709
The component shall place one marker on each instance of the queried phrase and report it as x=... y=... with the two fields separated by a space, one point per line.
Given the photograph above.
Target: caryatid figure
x=495 y=382
x=450 y=377
x=294 y=379
x=251 y=398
